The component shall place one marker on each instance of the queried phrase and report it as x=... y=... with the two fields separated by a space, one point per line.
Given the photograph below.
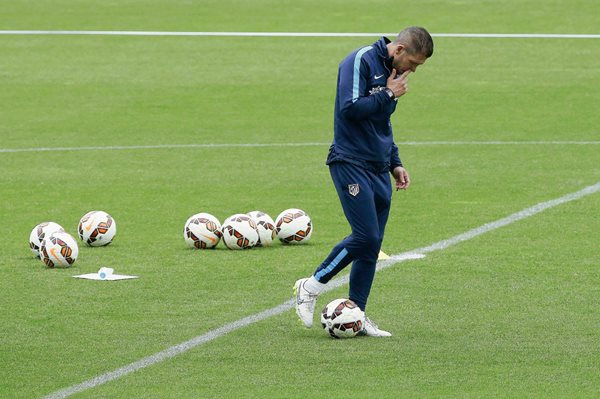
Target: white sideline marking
x=160 y=146
x=539 y=142
x=335 y=283
x=309 y=144
x=296 y=34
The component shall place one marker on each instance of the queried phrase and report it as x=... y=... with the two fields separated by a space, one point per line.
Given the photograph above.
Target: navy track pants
x=366 y=197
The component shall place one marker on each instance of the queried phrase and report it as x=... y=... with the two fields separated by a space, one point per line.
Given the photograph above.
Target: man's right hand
x=399 y=85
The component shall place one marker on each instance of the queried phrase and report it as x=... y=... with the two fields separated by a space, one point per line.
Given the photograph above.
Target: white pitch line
x=335 y=283
x=308 y=144
x=520 y=35
x=497 y=142
x=159 y=146
x=297 y=34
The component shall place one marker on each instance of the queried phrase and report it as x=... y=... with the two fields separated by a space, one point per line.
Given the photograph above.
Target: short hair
x=416 y=40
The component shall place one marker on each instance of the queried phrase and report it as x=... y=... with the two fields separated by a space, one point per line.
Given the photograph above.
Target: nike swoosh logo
x=53 y=252
x=211 y=239
x=377 y=77
x=89 y=225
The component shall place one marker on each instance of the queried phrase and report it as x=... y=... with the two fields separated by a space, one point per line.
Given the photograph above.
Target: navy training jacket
x=362 y=128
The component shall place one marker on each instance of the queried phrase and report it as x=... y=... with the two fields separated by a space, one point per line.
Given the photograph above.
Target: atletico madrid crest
x=353 y=189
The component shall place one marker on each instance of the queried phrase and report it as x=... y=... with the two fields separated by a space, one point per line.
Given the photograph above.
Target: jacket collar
x=382 y=51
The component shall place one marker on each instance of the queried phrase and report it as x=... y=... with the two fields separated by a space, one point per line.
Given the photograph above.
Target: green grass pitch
x=511 y=313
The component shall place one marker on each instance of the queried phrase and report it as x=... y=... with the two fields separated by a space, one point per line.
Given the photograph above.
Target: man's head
x=410 y=49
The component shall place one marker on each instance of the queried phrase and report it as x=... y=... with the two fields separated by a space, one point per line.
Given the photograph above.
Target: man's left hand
x=402 y=178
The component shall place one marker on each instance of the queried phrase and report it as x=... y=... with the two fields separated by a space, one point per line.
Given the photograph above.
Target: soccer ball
x=59 y=249
x=293 y=226
x=265 y=227
x=97 y=228
x=342 y=318
x=239 y=232
x=40 y=232
x=202 y=231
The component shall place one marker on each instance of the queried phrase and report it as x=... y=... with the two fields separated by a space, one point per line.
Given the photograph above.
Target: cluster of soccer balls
x=55 y=247
x=244 y=231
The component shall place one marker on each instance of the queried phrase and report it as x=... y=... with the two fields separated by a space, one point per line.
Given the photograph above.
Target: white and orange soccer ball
x=40 y=232
x=97 y=228
x=59 y=249
x=342 y=318
x=239 y=232
x=202 y=231
x=293 y=226
x=265 y=227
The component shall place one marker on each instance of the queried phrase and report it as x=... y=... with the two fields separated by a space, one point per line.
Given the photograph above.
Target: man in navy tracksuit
x=363 y=154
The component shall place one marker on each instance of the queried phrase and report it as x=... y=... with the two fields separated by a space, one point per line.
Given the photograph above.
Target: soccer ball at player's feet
x=342 y=318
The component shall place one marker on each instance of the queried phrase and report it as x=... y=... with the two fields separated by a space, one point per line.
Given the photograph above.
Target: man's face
x=404 y=61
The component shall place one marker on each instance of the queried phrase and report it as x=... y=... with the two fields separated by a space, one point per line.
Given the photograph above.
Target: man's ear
x=399 y=49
